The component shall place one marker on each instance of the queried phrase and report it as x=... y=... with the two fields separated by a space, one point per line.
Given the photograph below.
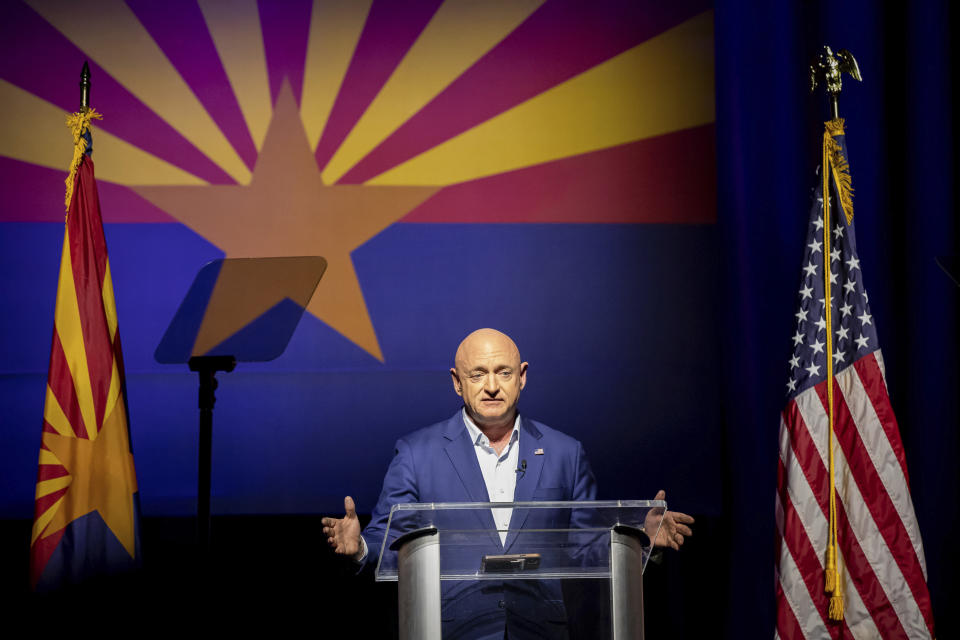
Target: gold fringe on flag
x=78 y=122
x=836 y=165
x=839 y=167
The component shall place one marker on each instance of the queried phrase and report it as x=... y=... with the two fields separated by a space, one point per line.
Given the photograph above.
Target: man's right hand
x=343 y=534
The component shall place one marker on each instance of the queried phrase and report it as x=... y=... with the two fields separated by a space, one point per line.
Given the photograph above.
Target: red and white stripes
x=881 y=561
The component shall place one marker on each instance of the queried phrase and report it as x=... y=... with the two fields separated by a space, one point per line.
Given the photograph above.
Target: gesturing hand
x=673 y=526
x=343 y=534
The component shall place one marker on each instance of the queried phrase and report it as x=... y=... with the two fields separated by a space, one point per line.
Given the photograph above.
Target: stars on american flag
x=853 y=328
x=816 y=347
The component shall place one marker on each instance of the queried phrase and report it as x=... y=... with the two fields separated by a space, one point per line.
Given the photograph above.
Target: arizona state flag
x=85 y=515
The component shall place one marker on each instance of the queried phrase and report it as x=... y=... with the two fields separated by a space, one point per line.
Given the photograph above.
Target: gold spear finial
x=827 y=69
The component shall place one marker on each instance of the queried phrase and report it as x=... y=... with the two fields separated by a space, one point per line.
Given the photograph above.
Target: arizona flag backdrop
x=543 y=167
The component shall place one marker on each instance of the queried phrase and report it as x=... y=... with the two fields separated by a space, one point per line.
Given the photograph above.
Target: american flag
x=880 y=554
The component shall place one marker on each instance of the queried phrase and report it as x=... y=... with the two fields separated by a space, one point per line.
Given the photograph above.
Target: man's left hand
x=673 y=526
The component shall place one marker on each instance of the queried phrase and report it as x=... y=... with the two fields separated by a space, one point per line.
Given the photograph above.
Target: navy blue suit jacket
x=439 y=464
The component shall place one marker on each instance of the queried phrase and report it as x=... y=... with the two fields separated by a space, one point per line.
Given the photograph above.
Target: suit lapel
x=464 y=460
x=528 y=481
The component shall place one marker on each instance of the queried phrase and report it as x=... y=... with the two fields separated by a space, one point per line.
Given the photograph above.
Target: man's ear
x=457 y=385
x=523 y=374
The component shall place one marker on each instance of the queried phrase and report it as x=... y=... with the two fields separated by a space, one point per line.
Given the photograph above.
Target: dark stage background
x=659 y=339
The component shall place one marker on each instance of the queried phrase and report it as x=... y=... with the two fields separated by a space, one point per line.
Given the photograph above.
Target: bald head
x=486 y=340
x=489 y=375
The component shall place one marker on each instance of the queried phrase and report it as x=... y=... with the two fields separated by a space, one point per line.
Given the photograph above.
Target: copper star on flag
x=287 y=210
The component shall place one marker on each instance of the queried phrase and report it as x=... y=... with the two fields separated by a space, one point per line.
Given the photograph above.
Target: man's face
x=489 y=376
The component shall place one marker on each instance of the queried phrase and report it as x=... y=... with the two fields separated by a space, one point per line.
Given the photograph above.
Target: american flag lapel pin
x=538 y=452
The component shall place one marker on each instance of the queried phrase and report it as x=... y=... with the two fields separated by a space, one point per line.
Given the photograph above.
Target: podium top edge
x=540 y=504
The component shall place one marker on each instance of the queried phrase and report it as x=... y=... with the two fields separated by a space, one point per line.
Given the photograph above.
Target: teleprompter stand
x=237 y=310
x=207 y=368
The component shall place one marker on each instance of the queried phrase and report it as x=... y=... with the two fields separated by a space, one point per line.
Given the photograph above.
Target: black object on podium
x=237 y=310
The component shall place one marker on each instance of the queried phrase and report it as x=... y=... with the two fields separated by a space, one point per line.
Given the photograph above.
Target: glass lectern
x=458 y=577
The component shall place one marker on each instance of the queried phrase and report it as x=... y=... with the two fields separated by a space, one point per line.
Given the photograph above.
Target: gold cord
x=832 y=579
x=78 y=122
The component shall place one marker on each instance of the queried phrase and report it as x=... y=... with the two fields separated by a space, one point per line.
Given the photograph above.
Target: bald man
x=474 y=456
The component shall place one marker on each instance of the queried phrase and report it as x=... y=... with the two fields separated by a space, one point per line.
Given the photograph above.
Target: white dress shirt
x=499 y=471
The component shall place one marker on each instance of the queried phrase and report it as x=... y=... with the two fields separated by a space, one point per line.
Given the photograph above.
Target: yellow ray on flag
x=44 y=519
x=46 y=487
x=126 y=164
x=234 y=26
x=33 y=132
x=335 y=27
x=458 y=35
x=109 y=306
x=54 y=415
x=110 y=33
x=662 y=85
x=47 y=457
x=32 y=129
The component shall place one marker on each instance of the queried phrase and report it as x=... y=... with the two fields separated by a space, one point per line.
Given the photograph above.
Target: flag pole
x=827 y=70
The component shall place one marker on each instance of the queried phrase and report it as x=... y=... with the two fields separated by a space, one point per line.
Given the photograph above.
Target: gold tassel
x=831 y=569
x=835 y=610
x=78 y=123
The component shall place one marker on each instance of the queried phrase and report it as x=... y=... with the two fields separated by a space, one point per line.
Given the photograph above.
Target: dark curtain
x=903 y=155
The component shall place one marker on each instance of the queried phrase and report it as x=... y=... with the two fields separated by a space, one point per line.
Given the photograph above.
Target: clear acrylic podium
x=458 y=574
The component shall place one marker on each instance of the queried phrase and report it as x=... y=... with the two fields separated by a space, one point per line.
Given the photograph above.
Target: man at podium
x=486 y=452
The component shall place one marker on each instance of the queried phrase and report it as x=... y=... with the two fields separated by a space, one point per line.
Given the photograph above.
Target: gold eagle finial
x=827 y=69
